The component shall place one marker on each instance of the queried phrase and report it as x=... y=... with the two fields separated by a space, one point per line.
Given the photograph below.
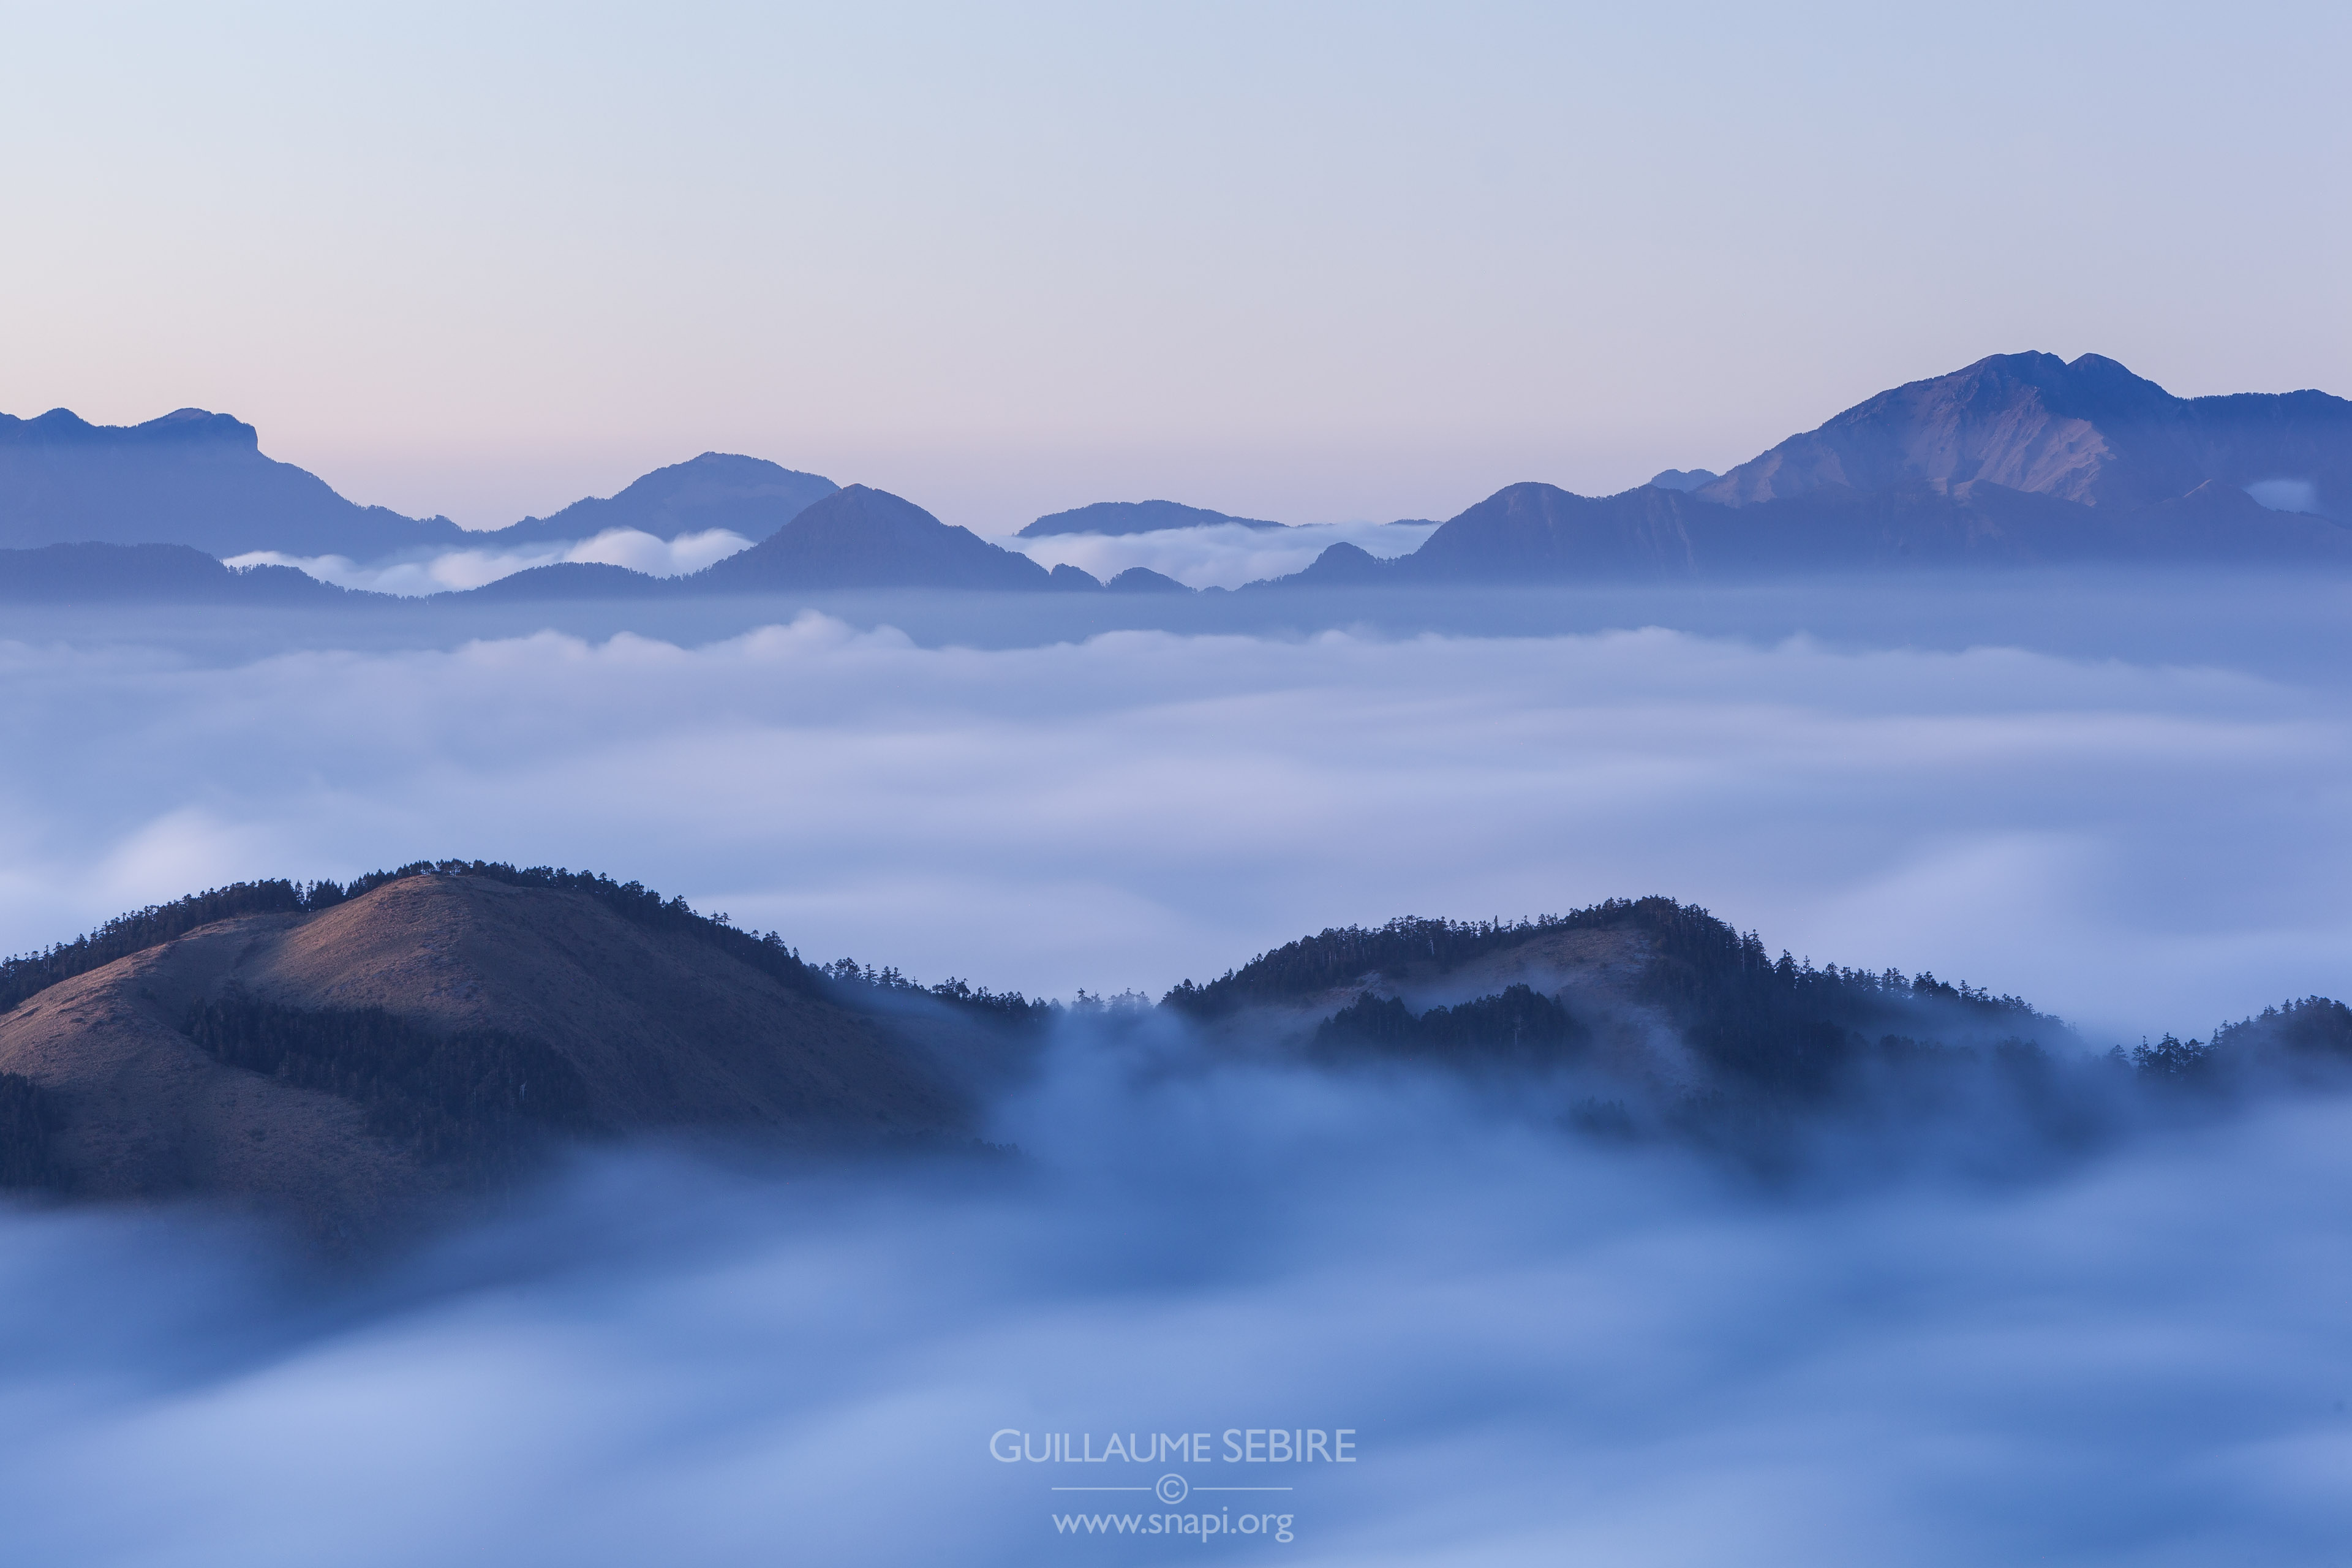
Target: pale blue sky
x=1311 y=262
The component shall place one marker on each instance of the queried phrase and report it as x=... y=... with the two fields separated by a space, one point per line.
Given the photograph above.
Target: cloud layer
x=2137 y=845
x=1546 y=1353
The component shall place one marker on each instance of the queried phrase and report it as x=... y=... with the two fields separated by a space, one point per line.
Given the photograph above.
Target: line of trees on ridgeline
x=158 y=923
x=766 y=951
x=1780 y=1024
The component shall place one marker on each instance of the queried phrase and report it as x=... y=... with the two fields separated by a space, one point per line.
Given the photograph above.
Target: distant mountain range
x=200 y=479
x=749 y=495
x=856 y=538
x=2018 y=460
x=190 y=477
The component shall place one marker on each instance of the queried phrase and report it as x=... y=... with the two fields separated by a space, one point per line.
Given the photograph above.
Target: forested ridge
x=1774 y=1034
x=1784 y=1043
x=1002 y=1007
x=766 y=951
x=152 y=927
x=1683 y=935
x=158 y=923
x=1777 y=1025
x=2313 y=1031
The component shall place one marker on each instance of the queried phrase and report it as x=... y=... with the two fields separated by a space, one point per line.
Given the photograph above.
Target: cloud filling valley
x=1546 y=1349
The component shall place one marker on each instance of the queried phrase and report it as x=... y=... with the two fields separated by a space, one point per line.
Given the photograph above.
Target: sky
x=1329 y=264
x=1320 y=263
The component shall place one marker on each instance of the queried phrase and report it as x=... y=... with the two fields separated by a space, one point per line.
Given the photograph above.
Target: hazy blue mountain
x=862 y=538
x=1143 y=580
x=199 y=479
x=155 y=573
x=2087 y=431
x=572 y=580
x=749 y=495
x=2015 y=459
x=1134 y=517
x=1536 y=533
x=1684 y=479
x=2018 y=460
x=1340 y=566
x=190 y=477
x=1071 y=579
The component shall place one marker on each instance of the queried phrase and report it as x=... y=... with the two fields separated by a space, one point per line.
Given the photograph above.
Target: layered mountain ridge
x=749 y=495
x=2016 y=461
x=2087 y=431
x=199 y=479
x=191 y=478
x=864 y=538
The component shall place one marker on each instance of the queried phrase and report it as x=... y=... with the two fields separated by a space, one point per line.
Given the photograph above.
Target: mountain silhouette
x=749 y=495
x=1143 y=580
x=156 y=573
x=335 y=1057
x=569 y=580
x=198 y=478
x=1118 y=517
x=2088 y=431
x=2018 y=460
x=190 y=477
x=863 y=538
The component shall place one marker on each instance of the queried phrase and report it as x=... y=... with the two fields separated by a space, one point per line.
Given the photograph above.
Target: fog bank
x=1544 y=1351
x=1140 y=805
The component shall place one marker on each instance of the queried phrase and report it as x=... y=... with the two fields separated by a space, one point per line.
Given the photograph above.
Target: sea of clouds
x=1542 y=1351
x=2128 y=805
x=2139 y=844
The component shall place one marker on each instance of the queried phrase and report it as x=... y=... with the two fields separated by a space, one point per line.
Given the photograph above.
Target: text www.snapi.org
x=1201 y=1526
